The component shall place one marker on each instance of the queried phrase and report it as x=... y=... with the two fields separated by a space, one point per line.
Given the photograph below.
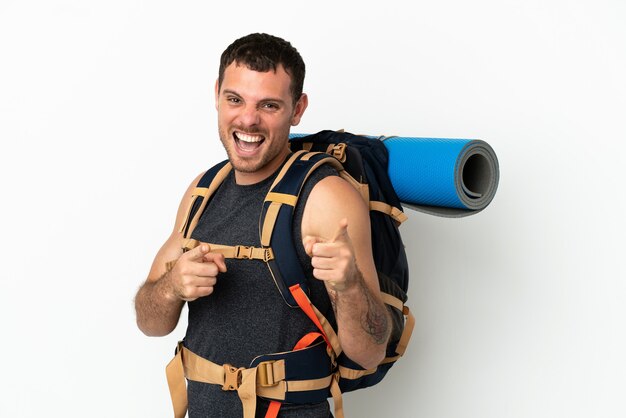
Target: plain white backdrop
x=106 y=115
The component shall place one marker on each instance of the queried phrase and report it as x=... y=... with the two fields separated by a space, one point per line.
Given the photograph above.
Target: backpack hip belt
x=306 y=375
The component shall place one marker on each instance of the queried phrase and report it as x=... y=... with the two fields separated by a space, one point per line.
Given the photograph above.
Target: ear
x=217 y=93
x=300 y=107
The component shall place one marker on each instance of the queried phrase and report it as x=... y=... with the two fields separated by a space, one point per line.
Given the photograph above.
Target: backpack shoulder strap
x=201 y=195
x=276 y=221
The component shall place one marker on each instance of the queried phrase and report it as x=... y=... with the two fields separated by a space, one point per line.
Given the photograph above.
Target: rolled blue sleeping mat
x=443 y=176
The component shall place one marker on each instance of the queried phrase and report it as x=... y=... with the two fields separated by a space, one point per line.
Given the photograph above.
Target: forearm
x=363 y=322
x=157 y=308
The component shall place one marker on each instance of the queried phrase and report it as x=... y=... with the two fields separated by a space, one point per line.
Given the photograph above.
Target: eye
x=270 y=106
x=233 y=99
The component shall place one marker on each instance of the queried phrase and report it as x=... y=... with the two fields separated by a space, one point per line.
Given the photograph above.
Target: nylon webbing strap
x=190 y=244
x=362 y=188
x=282 y=198
x=347 y=373
x=197 y=192
x=270 y=222
x=408 y=331
x=408 y=325
x=392 y=301
x=217 y=180
x=318 y=319
x=267 y=379
x=392 y=211
x=286 y=166
x=243 y=252
x=272 y=410
x=335 y=391
x=176 y=383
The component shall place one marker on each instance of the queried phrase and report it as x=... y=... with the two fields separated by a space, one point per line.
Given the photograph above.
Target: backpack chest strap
x=243 y=252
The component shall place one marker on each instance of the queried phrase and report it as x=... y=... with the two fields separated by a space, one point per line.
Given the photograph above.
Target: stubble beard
x=247 y=165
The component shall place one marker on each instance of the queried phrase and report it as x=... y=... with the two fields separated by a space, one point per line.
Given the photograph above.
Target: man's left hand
x=333 y=260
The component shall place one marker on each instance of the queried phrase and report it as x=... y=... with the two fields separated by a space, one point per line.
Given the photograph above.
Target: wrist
x=166 y=287
x=343 y=287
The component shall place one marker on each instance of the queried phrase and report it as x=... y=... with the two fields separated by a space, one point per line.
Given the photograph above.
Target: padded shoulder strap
x=276 y=220
x=206 y=187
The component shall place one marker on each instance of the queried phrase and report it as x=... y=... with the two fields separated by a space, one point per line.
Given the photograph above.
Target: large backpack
x=363 y=162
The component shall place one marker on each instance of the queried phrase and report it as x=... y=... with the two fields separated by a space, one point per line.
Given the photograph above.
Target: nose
x=249 y=116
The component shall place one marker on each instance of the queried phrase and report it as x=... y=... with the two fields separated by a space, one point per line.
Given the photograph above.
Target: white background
x=106 y=115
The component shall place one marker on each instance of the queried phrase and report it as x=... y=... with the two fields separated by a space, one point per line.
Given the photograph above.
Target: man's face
x=255 y=111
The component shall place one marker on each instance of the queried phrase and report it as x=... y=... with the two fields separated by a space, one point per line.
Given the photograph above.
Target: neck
x=246 y=178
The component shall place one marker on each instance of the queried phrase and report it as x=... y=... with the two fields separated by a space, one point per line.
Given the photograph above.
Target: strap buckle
x=243 y=251
x=265 y=374
x=338 y=151
x=248 y=253
x=232 y=377
x=268 y=254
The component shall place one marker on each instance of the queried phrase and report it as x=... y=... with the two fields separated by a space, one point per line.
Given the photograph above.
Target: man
x=235 y=311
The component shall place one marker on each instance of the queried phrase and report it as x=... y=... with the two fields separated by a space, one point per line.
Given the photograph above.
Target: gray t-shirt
x=246 y=315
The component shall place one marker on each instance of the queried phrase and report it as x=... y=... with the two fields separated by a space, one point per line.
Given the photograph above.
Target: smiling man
x=236 y=312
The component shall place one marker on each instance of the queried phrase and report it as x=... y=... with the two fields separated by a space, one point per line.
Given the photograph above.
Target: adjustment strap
x=351 y=374
x=190 y=244
x=387 y=209
x=287 y=199
x=197 y=192
x=217 y=180
x=243 y=252
x=408 y=331
x=272 y=410
x=392 y=301
x=176 y=383
x=409 y=324
x=307 y=340
x=305 y=304
x=335 y=391
x=329 y=334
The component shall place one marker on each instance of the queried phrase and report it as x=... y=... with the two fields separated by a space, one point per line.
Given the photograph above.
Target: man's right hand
x=195 y=273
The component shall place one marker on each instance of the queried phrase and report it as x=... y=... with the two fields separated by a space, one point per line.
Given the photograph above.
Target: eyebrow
x=266 y=99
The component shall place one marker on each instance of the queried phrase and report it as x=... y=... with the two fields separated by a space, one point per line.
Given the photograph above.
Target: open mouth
x=248 y=142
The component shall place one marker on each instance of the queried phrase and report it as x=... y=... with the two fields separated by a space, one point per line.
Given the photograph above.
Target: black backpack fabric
x=365 y=159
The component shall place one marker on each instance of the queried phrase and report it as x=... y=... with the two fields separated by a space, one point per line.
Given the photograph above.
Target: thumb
x=341 y=235
x=308 y=242
x=217 y=259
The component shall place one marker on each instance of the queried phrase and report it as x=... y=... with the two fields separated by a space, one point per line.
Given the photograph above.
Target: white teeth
x=249 y=138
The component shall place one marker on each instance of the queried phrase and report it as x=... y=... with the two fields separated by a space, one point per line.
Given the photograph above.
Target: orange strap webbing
x=306 y=341
x=305 y=304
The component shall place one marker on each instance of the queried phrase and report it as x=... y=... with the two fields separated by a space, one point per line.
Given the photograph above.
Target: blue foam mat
x=443 y=176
